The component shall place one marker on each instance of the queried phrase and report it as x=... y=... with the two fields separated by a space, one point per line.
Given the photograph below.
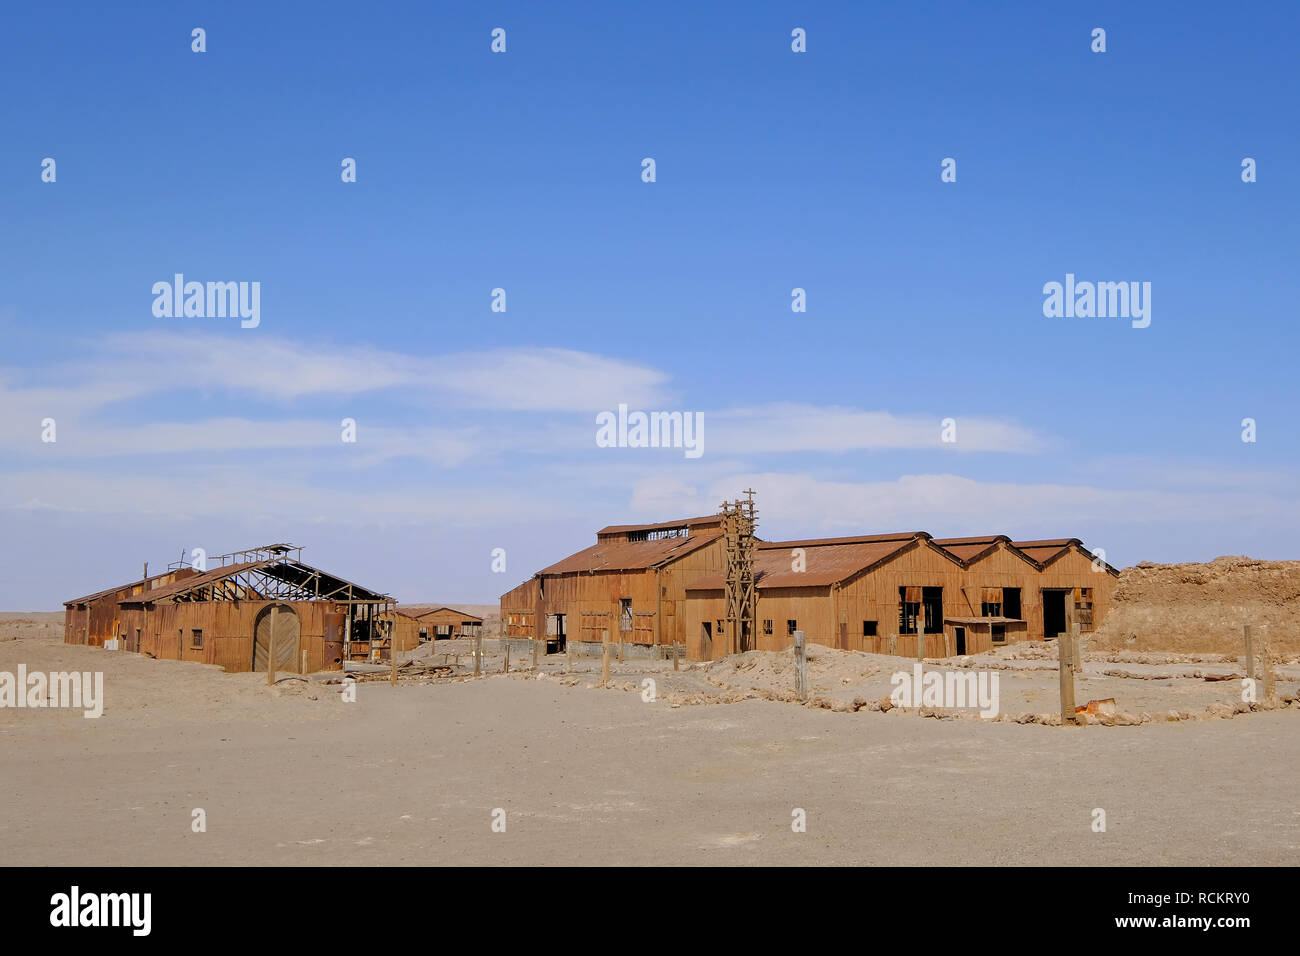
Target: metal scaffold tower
x=738 y=522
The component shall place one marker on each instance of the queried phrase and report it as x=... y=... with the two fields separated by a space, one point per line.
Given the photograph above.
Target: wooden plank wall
x=874 y=597
x=658 y=599
x=166 y=631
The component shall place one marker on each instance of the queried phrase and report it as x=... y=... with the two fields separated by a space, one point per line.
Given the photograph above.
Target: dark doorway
x=561 y=639
x=932 y=602
x=960 y=636
x=706 y=641
x=1053 y=613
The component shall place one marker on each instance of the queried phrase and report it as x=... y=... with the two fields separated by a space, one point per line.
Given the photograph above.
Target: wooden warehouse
x=629 y=586
x=446 y=623
x=885 y=593
x=233 y=614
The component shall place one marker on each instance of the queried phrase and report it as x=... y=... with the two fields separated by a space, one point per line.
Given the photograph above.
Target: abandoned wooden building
x=630 y=586
x=234 y=614
x=899 y=593
x=447 y=623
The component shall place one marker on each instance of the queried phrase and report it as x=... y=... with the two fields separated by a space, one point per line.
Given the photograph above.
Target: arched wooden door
x=286 y=638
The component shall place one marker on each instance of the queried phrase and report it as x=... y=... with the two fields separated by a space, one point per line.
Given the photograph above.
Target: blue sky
x=522 y=170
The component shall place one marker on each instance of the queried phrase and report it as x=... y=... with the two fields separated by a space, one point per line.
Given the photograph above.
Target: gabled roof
x=616 y=555
x=180 y=572
x=310 y=583
x=850 y=539
x=464 y=614
x=661 y=525
x=1047 y=551
x=826 y=560
x=970 y=550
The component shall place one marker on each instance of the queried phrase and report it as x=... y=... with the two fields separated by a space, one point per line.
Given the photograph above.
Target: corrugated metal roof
x=618 y=555
x=292 y=572
x=1047 y=551
x=197 y=581
x=827 y=561
x=851 y=539
x=967 y=552
x=122 y=587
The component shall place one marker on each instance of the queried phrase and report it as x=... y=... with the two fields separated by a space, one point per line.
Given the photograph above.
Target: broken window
x=767 y=626
x=625 y=614
x=991 y=609
x=868 y=628
x=196 y=638
x=791 y=626
x=1011 y=603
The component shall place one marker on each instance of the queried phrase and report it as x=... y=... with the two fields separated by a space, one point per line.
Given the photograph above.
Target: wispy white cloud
x=792 y=427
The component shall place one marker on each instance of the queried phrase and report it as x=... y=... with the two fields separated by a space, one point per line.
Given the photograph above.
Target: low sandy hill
x=1198 y=608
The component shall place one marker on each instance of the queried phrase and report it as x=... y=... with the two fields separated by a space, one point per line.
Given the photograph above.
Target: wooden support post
x=800 y=666
x=478 y=654
x=1064 y=664
x=507 y=670
x=1250 y=653
x=304 y=662
x=270 y=651
x=604 y=663
x=920 y=639
x=675 y=656
x=1270 y=679
x=620 y=647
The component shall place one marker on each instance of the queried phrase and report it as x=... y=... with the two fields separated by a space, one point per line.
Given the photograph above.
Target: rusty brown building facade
x=254 y=604
x=906 y=593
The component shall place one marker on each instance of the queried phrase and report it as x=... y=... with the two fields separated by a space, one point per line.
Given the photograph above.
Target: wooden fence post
x=800 y=666
x=1250 y=653
x=604 y=663
x=1270 y=679
x=478 y=654
x=1064 y=659
x=507 y=670
x=675 y=665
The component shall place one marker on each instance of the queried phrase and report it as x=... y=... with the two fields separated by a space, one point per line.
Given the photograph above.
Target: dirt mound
x=772 y=673
x=1200 y=608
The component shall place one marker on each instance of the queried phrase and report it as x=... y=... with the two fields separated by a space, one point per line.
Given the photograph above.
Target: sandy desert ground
x=412 y=774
